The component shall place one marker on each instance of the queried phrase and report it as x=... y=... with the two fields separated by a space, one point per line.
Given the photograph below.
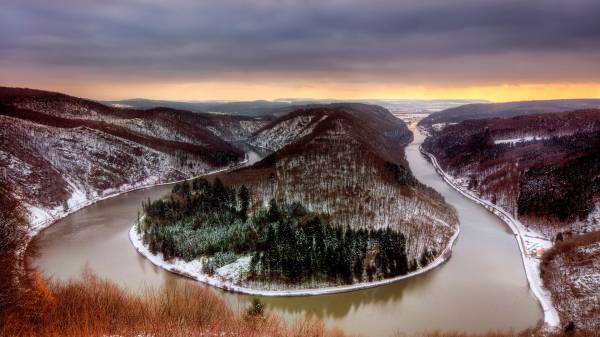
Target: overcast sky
x=219 y=49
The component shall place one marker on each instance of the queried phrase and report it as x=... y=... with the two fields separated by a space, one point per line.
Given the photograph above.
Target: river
x=482 y=287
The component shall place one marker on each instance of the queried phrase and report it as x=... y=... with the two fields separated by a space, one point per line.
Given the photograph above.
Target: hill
x=59 y=152
x=542 y=167
x=437 y=120
x=333 y=205
x=348 y=161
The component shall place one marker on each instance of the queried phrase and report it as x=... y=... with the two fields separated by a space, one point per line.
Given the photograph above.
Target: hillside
x=347 y=161
x=438 y=120
x=544 y=167
x=333 y=207
x=59 y=152
x=571 y=270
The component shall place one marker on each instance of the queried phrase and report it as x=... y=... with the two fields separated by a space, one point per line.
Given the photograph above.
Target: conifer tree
x=244 y=197
x=274 y=213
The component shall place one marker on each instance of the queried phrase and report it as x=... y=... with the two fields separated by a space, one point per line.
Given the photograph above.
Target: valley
x=485 y=267
x=352 y=172
x=539 y=173
x=250 y=168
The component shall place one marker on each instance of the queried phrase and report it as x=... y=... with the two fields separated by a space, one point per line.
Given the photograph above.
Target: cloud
x=414 y=41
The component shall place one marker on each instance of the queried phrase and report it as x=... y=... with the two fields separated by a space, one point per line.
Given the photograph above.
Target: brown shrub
x=96 y=307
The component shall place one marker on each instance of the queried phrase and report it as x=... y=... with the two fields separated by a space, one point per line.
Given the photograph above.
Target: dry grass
x=566 y=246
x=95 y=307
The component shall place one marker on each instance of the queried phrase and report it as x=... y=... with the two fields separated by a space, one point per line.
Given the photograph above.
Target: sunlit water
x=482 y=287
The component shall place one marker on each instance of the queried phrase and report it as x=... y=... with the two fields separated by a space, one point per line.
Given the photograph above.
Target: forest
x=350 y=166
x=544 y=168
x=287 y=243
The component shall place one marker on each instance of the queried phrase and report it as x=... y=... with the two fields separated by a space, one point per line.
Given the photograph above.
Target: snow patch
x=513 y=141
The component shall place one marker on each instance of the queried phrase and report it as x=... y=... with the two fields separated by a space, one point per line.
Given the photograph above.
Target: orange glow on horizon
x=240 y=91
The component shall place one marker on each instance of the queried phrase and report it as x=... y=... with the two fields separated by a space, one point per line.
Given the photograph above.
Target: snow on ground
x=123 y=106
x=589 y=224
x=528 y=241
x=235 y=270
x=575 y=282
x=440 y=126
x=229 y=277
x=286 y=132
x=41 y=218
x=513 y=141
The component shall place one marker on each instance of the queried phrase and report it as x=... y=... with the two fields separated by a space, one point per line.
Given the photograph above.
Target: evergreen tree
x=244 y=197
x=274 y=213
x=358 y=268
x=200 y=185
x=254 y=264
x=286 y=242
x=218 y=191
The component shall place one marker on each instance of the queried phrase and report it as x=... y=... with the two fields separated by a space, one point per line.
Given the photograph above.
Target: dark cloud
x=422 y=41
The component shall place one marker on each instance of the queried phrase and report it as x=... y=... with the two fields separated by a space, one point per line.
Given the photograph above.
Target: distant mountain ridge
x=280 y=107
x=504 y=110
x=247 y=108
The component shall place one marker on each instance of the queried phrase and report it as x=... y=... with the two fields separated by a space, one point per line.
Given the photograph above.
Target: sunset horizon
x=190 y=92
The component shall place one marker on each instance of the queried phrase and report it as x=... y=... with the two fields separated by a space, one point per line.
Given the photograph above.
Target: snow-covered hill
x=348 y=161
x=542 y=168
x=60 y=153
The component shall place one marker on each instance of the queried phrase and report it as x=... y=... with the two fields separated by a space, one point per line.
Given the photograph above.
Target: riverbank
x=526 y=239
x=193 y=270
x=480 y=288
x=44 y=219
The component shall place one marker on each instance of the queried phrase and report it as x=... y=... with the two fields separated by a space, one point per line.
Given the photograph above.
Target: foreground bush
x=95 y=307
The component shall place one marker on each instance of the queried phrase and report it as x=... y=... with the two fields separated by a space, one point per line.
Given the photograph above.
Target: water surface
x=482 y=287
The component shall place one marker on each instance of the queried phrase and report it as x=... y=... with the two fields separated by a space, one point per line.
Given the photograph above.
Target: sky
x=499 y=50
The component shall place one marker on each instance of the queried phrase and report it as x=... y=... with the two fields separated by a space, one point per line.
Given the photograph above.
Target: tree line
x=286 y=242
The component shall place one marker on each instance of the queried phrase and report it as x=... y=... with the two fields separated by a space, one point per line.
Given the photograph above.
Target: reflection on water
x=337 y=306
x=481 y=287
x=251 y=150
x=253 y=157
